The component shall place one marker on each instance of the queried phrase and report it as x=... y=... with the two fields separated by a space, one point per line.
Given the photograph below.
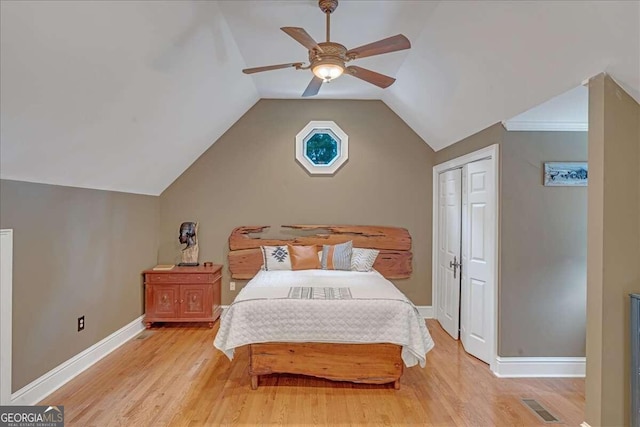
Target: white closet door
x=476 y=315
x=449 y=214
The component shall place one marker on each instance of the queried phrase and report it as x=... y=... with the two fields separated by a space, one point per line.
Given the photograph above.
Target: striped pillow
x=337 y=257
x=363 y=259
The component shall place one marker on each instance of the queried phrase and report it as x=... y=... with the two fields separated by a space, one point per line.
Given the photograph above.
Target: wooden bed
x=358 y=363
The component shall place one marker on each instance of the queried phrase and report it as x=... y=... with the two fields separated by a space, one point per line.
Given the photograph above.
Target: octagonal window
x=322 y=147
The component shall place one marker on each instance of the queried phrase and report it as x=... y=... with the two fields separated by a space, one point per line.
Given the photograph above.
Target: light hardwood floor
x=173 y=376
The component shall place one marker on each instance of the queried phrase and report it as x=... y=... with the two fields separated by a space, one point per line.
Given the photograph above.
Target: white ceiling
x=566 y=112
x=477 y=63
x=115 y=95
x=126 y=95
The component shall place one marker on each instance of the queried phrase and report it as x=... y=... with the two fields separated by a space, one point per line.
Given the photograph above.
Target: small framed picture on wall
x=566 y=174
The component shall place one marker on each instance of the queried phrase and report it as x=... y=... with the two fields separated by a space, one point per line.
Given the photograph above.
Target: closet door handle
x=455 y=265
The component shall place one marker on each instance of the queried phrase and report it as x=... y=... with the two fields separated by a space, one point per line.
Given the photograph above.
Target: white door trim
x=6 y=299
x=491 y=152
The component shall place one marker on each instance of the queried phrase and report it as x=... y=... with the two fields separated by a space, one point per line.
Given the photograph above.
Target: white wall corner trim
x=426 y=311
x=6 y=303
x=516 y=367
x=40 y=388
x=519 y=125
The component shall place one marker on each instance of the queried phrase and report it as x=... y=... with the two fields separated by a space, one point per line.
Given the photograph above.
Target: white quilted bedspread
x=377 y=313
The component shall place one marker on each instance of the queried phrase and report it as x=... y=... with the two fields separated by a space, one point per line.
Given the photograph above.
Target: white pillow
x=363 y=259
x=275 y=258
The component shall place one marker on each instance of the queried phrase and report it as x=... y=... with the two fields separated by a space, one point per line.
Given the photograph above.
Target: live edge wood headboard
x=394 y=244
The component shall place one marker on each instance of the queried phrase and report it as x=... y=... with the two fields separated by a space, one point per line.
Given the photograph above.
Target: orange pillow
x=304 y=257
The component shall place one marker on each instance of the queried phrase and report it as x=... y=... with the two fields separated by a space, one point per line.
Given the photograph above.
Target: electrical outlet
x=80 y=323
x=232 y=286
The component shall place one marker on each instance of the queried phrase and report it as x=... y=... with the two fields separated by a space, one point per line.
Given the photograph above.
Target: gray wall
x=614 y=248
x=542 y=285
x=543 y=288
x=75 y=252
x=250 y=177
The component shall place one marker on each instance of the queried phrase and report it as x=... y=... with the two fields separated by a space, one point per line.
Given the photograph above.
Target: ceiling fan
x=327 y=59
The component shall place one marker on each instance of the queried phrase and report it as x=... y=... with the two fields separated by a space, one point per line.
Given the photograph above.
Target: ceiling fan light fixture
x=328 y=71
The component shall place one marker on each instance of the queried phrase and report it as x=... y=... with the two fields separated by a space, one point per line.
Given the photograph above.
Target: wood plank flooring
x=173 y=376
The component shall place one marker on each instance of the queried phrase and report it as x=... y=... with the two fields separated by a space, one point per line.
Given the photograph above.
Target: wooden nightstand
x=182 y=294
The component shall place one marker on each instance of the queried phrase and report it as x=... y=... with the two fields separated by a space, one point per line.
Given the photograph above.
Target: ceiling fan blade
x=271 y=67
x=390 y=44
x=369 y=76
x=314 y=87
x=302 y=37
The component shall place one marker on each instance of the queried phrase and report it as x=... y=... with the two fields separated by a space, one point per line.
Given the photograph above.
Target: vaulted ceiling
x=126 y=95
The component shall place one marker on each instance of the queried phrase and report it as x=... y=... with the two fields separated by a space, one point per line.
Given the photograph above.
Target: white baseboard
x=514 y=367
x=584 y=424
x=40 y=388
x=426 y=311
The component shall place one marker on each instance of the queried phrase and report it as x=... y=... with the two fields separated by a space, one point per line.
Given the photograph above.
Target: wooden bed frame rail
x=358 y=363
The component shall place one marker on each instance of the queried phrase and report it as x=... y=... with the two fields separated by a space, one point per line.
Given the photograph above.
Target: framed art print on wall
x=566 y=174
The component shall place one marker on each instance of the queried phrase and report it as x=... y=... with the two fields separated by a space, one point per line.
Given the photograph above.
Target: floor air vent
x=540 y=411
